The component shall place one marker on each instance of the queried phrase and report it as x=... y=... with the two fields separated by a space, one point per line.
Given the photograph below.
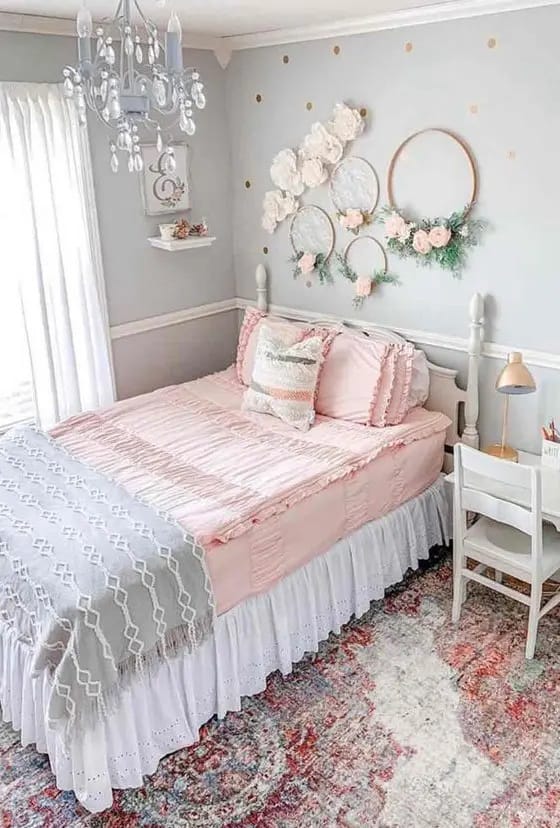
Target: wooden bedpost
x=261 y=278
x=470 y=434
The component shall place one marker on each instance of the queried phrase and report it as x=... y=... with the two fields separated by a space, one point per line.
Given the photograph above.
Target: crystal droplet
x=128 y=45
x=151 y=55
x=159 y=141
x=68 y=88
x=105 y=114
x=110 y=55
x=156 y=47
x=138 y=163
x=130 y=163
x=139 y=54
x=121 y=141
x=114 y=163
x=191 y=127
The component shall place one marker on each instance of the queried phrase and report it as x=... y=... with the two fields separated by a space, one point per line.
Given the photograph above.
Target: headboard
x=461 y=406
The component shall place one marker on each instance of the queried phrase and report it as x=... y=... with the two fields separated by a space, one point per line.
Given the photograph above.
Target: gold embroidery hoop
x=367 y=238
x=454 y=137
x=344 y=161
x=324 y=213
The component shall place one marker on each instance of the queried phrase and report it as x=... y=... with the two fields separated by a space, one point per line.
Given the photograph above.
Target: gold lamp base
x=503 y=452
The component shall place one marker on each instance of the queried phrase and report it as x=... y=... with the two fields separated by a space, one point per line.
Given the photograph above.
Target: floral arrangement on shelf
x=310 y=165
x=308 y=263
x=183 y=229
x=364 y=284
x=442 y=241
x=354 y=219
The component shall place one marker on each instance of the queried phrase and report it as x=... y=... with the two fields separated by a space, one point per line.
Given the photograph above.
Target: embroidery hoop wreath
x=380 y=276
x=464 y=232
x=341 y=210
x=321 y=258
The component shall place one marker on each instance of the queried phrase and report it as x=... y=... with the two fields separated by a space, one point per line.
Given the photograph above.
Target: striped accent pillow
x=285 y=378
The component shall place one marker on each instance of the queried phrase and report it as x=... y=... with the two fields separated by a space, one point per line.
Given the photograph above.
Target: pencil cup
x=551 y=454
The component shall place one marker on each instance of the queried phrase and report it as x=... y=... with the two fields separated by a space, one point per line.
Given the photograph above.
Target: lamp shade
x=515 y=377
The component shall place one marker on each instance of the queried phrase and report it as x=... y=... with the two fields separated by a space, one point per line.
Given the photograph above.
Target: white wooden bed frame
x=445 y=395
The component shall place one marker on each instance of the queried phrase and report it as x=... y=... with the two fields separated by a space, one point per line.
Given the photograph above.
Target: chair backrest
x=507 y=492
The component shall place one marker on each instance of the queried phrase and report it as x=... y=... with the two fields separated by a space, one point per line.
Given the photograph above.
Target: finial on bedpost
x=261 y=279
x=470 y=434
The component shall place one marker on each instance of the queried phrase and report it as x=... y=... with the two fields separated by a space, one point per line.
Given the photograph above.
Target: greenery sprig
x=321 y=267
x=444 y=241
x=378 y=277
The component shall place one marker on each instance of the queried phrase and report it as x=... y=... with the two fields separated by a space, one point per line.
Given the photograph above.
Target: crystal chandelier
x=127 y=86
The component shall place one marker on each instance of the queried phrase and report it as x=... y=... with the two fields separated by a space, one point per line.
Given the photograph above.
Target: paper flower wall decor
x=277 y=206
x=310 y=165
x=354 y=219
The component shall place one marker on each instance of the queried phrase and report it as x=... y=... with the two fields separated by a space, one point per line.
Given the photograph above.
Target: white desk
x=550 y=488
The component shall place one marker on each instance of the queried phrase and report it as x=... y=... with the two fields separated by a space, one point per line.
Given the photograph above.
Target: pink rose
x=352 y=219
x=307 y=263
x=421 y=242
x=363 y=286
x=395 y=226
x=439 y=236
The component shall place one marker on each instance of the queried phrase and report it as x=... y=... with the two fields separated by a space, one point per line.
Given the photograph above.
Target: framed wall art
x=165 y=180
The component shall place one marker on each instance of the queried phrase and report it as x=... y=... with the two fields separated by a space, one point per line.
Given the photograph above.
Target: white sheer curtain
x=49 y=242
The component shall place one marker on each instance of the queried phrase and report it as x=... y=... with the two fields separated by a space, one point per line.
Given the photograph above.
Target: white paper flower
x=285 y=173
x=321 y=144
x=277 y=206
x=347 y=123
x=313 y=170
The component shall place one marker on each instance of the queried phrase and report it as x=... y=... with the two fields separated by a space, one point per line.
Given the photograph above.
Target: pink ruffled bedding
x=231 y=476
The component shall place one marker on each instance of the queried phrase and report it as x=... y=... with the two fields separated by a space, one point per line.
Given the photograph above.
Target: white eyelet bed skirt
x=163 y=713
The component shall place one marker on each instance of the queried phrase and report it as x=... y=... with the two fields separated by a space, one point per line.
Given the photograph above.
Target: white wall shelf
x=182 y=244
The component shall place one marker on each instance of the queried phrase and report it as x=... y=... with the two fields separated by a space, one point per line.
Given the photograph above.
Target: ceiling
x=222 y=18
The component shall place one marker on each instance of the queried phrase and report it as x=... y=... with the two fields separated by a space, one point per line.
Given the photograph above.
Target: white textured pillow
x=285 y=378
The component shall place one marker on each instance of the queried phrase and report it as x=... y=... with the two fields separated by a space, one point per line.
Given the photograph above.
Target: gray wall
x=514 y=132
x=141 y=281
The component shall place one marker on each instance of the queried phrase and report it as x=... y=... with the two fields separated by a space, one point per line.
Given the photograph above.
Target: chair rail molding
x=490 y=350
x=165 y=320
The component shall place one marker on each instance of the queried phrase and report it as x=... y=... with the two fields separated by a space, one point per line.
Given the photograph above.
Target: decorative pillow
x=351 y=378
x=419 y=388
x=289 y=332
x=285 y=378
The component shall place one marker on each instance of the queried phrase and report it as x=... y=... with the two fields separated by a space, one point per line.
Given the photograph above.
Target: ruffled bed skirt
x=163 y=713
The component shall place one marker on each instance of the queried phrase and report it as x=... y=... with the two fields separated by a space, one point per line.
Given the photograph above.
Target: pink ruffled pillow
x=352 y=382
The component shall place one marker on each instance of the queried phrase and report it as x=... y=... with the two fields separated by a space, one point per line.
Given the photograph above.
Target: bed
x=299 y=534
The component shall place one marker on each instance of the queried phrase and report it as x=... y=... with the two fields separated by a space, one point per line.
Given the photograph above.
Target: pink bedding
x=262 y=499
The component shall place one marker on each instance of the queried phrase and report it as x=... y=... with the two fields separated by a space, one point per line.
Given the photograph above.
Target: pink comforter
x=193 y=452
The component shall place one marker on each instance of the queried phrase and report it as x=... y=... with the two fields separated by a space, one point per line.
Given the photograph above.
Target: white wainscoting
x=490 y=350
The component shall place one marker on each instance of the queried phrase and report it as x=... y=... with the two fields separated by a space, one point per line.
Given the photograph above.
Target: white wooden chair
x=509 y=537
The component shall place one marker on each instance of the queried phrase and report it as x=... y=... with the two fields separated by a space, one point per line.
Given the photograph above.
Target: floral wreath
x=364 y=283
x=307 y=263
x=443 y=241
x=353 y=219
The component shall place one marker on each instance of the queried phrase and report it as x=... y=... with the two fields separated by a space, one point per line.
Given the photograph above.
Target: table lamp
x=515 y=378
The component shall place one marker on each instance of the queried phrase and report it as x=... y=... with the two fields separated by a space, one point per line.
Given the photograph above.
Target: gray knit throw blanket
x=96 y=583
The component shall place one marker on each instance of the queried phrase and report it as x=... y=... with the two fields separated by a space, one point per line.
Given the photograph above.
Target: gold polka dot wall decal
x=265 y=251
x=492 y=43
x=336 y=50
x=363 y=112
x=285 y=59
x=247 y=184
x=258 y=98
x=408 y=47
x=309 y=106
x=473 y=109
x=512 y=155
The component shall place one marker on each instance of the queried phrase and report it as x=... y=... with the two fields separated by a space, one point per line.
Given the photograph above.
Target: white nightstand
x=550 y=488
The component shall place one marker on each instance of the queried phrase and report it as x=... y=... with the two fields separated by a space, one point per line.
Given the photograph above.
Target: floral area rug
x=402 y=721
